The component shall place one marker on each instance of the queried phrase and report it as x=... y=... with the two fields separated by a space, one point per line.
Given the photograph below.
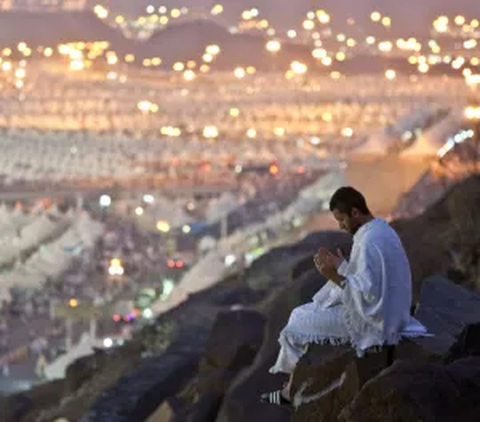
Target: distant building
x=42 y=5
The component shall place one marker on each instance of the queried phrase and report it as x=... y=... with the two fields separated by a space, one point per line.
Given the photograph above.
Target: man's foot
x=276 y=398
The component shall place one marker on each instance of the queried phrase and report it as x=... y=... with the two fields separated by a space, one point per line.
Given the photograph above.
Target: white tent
x=169 y=211
x=377 y=144
x=221 y=207
x=58 y=368
x=433 y=139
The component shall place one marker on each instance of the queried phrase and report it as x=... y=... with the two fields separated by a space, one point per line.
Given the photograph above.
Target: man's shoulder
x=381 y=231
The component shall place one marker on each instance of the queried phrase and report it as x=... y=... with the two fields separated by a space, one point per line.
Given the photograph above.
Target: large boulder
x=445 y=236
x=19 y=405
x=222 y=360
x=445 y=309
x=325 y=380
x=244 y=331
x=140 y=392
x=416 y=391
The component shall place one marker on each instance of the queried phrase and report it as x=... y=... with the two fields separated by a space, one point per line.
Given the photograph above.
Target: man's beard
x=354 y=227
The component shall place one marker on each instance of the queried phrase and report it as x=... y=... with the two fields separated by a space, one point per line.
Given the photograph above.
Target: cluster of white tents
x=20 y=232
x=53 y=243
x=428 y=142
x=62 y=156
x=212 y=267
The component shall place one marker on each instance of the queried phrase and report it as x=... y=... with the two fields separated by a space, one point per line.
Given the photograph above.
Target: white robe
x=372 y=310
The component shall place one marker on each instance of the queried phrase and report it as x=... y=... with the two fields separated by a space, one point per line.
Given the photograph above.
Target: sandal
x=276 y=398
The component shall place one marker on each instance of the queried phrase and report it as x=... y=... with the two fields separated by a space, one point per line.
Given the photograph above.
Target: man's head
x=350 y=209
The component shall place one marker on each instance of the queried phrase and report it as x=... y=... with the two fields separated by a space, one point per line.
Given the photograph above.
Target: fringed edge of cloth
x=303 y=339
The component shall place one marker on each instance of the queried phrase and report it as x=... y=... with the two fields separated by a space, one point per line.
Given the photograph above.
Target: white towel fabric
x=372 y=310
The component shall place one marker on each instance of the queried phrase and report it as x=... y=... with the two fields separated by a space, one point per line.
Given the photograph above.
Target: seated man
x=366 y=301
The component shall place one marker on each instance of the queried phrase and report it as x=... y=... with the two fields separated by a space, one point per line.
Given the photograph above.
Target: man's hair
x=346 y=199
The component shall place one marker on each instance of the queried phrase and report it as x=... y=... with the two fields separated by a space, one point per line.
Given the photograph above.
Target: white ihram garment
x=372 y=310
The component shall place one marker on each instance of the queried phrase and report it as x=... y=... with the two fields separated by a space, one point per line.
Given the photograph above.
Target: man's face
x=348 y=222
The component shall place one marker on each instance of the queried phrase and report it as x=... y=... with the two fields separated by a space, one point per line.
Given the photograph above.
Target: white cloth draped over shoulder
x=372 y=310
x=377 y=297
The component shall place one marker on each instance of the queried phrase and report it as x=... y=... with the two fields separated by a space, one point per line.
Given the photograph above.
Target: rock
x=445 y=236
x=328 y=377
x=71 y=406
x=415 y=391
x=207 y=408
x=137 y=395
x=430 y=392
x=244 y=329
x=162 y=414
x=17 y=406
x=222 y=361
x=325 y=380
x=445 y=309
x=83 y=369
x=467 y=344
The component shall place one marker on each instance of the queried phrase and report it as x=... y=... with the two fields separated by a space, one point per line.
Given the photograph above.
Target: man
x=366 y=301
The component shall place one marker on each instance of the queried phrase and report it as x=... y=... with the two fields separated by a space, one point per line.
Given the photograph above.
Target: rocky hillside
x=208 y=359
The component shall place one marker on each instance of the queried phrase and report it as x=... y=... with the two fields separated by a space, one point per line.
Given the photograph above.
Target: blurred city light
x=163 y=226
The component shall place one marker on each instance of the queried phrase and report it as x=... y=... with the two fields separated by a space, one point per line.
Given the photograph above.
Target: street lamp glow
x=376 y=16
x=186 y=229
x=148 y=199
x=217 y=10
x=327 y=61
x=213 y=50
x=178 y=67
x=324 y=18
x=385 y=46
x=207 y=58
x=308 y=25
x=239 y=72
x=273 y=46
x=472 y=113
x=139 y=211
x=423 y=68
x=234 y=112
x=347 y=132
x=105 y=201
x=319 y=53
x=189 y=75
x=210 y=132
x=298 y=68
x=163 y=226
x=460 y=20
x=390 y=74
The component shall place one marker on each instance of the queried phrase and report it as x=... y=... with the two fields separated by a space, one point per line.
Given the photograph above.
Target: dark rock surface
x=446 y=309
x=415 y=391
x=232 y=346
x=445 y=237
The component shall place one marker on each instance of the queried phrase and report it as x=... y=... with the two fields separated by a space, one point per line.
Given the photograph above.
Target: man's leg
x=289 y=355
